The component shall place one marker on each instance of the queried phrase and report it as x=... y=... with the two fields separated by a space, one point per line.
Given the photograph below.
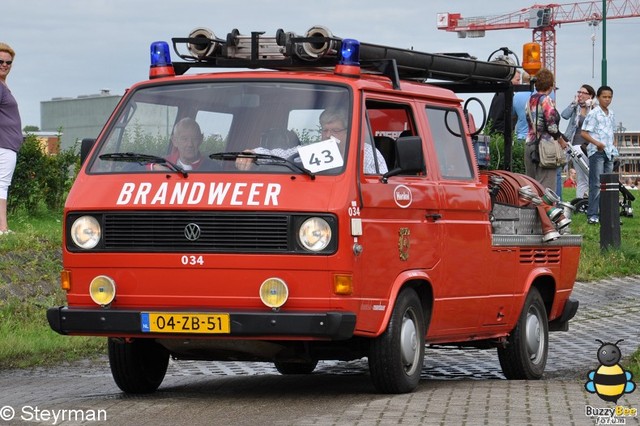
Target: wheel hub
x=408 y=342
x=533 y=336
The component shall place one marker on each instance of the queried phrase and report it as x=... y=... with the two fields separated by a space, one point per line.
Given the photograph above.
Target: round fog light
x=274 y=292
x=102 y=290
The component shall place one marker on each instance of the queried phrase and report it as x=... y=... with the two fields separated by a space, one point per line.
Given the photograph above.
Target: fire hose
x=523 y=191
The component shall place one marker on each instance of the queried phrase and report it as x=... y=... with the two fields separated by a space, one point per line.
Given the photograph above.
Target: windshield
x=229 y=126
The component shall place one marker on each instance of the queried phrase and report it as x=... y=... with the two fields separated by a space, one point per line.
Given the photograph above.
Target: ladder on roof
x=319 y=49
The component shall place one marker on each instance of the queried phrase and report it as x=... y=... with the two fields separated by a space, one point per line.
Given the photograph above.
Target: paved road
x=459 y=387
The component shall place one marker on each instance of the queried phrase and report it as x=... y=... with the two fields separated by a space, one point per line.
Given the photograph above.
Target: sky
x=68 y=48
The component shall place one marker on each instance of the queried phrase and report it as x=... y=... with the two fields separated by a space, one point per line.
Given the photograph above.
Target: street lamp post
x=620 y=131
x=604 y=42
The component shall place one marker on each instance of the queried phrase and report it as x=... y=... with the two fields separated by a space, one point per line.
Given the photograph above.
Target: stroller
x=581 y=204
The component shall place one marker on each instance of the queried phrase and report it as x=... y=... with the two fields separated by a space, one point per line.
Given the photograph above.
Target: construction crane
x=542 y=19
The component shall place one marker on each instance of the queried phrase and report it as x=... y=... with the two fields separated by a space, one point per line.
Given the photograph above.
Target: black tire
x=287 y=368
x=138 y=366
x=580 y=205
x=525 y=356
x=396 y=356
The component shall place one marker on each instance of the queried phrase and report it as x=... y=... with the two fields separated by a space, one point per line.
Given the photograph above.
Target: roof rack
x=319 y=49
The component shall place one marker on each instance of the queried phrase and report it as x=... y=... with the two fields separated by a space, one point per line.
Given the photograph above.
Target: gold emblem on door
x=403 y=243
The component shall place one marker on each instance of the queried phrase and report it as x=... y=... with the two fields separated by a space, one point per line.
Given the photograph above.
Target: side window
x=387 y=122
x=449 y=141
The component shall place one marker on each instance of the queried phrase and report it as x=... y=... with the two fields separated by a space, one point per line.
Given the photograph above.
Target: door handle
x=434 y=216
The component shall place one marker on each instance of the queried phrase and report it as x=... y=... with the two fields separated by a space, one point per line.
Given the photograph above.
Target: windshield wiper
x=270 y=159
x=133 y=157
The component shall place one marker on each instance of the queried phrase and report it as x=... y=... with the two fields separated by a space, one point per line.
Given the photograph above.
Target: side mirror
x=409 y=157
x=85 y=148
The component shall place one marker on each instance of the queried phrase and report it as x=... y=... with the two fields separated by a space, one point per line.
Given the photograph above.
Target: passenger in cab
x=333 y=122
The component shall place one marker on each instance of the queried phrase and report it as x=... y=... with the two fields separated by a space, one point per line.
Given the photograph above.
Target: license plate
x=177 y=322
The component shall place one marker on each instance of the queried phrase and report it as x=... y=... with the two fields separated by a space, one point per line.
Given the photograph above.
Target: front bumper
x=102 y=322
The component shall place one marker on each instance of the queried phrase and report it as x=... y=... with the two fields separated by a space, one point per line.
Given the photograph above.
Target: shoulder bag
x=550 y=153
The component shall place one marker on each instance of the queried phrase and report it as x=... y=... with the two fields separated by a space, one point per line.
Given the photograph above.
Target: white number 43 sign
x=320 y=156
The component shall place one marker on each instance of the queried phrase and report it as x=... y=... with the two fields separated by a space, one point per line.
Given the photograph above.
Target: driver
x=187 y=138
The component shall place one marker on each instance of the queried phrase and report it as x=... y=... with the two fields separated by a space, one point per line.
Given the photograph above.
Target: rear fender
x=542 y=278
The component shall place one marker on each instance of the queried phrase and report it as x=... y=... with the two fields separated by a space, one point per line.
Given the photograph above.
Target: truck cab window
x=387 y=122
x=447 y=133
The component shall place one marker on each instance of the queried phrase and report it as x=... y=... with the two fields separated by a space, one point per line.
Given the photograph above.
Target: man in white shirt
x=598 y=129
x=333 y=122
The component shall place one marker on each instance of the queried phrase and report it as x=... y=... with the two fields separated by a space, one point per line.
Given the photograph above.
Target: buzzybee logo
x=609 y=381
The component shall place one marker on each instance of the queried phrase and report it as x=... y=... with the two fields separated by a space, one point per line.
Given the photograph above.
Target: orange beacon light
x=531 y=58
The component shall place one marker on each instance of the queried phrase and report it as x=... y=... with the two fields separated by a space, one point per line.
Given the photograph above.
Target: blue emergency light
x=160 y=55
x=350 y=52
x=160 y=60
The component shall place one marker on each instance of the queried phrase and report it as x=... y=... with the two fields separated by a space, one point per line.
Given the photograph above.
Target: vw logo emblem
x=192 y=232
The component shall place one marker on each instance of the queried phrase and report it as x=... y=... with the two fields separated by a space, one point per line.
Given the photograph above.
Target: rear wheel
x=396 y=356
x=138 y=366
x=525 y=356
x=295 y=367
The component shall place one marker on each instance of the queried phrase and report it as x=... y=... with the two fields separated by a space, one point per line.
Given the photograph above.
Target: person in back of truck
x=520 y=100
x=543 y=119
x=333 y=122
x=496 y=123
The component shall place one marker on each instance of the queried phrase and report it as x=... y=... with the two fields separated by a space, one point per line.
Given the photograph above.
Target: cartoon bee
x=609 y=381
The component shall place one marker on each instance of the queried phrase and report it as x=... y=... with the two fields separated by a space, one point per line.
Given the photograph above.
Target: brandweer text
x=191 y=193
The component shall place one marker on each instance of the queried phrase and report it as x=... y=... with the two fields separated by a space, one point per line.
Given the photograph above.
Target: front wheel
x=138 y=366
x=525 y=356
x=396 y=356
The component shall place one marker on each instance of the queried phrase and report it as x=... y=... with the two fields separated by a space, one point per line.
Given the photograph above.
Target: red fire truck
x=332 y=208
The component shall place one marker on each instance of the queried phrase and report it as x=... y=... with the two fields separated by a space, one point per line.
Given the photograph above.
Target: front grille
x=219 y=232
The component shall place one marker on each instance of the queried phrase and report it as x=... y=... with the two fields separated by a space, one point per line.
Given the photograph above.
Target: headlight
x=315 y=234
x=86 y=232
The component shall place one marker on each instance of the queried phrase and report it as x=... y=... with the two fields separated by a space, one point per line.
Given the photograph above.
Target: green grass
x=632 y=364
x=26 y=339
x=596 y=264
x=30 y=263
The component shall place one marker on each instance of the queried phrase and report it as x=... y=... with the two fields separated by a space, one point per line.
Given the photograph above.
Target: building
x=77 y=118
x=49 y=141
x=629 y=149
